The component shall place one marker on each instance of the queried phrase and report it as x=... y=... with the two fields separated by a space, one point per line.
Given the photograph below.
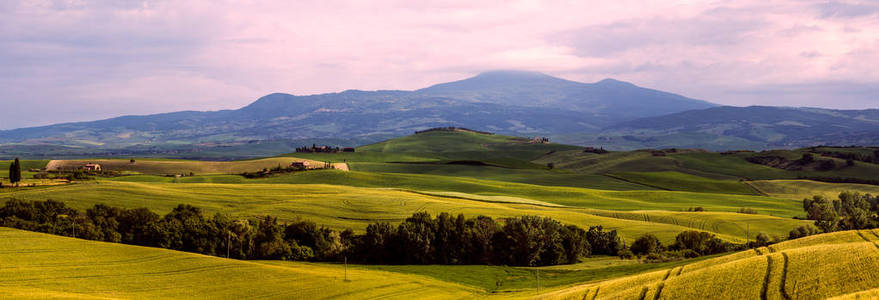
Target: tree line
x=851 y=210
x=419 y=239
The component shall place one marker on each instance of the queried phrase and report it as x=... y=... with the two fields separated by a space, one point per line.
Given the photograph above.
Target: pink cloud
x=156 y=56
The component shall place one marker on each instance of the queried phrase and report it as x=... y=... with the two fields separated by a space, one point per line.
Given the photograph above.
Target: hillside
x=40 y=266
x=46 y=265
x=753 y=127
x=815 y=267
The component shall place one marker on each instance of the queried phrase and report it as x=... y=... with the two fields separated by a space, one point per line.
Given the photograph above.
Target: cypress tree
x=15 y=171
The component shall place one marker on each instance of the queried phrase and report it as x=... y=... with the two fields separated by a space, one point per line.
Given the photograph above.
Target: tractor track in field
x=784 y=277
x=768 y=277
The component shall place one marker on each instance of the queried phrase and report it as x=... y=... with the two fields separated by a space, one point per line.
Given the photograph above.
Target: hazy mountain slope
x=515 y=103
x=749 y=127
x=609 y=99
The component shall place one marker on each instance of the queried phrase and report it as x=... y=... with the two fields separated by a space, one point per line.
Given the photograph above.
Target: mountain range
x=609 y=113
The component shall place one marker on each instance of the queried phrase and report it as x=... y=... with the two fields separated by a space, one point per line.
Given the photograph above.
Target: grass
x=167 y=166
x=40 y=266
x=821 y=266
x=676 y=181
x=529 y=176
x=339 y=206
x=504 y=279
x=800 y=189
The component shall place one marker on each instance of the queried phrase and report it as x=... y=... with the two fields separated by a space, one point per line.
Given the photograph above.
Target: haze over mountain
x=753 y=127
x=609 y=113
x=509 y=102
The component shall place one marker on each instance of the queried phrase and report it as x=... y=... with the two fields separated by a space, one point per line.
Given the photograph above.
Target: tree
x=823 y=212
x=646 y=244
x=802 y=231
x=807 y=158
x=15 y=171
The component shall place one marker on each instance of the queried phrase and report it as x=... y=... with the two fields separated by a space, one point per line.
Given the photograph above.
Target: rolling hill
x=815 y=267
x=41 y=265
x=753 y=127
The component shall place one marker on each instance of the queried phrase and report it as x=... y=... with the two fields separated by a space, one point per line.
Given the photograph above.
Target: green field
x=40 y=266
x=635 y=193
x=822 y=266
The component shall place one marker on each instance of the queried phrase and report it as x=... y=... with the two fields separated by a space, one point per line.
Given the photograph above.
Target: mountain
x=753 y=127
x=507 y=102
x=608 y=100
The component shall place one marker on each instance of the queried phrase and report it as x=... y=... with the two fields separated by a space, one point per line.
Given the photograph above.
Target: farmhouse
x=300 y=164
x=92 y=167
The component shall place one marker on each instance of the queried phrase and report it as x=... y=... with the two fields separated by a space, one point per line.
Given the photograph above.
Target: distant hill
x=608 y=101
x=753 y=127
x=505 y=102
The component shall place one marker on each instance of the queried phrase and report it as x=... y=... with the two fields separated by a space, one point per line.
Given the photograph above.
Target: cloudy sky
x=76 y=60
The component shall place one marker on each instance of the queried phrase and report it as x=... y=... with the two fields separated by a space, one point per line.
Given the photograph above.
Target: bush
x=803 y=231
x=747 y=210
x=646 y=244
x=827 y=165
x=626 y=254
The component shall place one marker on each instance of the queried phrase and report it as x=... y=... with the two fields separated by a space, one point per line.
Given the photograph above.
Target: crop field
x=676 y=181
x=787 y=271
x=40 y=266
x=167 y=166
x=343 y=207
x=799 y=189
x=635 y=193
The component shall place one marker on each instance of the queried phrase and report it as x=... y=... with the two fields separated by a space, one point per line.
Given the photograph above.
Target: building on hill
x=92 y=167
x=348 y=149
x=540 y=140
x=300 y=165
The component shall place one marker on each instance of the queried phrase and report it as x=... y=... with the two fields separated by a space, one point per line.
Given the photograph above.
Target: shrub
x=646 y=244
x=803 y=231
x=626 y=254
x=747 y=210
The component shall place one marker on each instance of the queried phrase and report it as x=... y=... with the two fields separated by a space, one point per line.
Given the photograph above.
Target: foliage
x=646 y=244
x=852 y=210
x=420 y=239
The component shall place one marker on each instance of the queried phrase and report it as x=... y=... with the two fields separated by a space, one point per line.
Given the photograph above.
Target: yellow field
x=40 y=266
x=160 y=167
x=342 y=207
x=822 y=266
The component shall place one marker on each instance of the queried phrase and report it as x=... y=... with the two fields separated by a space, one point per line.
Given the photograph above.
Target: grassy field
x=846 y=261
x=676 y=181
x=40 y=266
x=343 y=207
x=169 y=166
x=800 y=189
x=633 y=192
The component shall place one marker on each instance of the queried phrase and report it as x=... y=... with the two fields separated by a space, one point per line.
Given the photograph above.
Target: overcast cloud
x=78 y=60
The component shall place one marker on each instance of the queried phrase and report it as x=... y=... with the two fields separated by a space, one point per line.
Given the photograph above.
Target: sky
x=77 y=60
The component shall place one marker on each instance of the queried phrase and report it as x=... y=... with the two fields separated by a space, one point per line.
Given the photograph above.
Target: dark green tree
x=15 y=171
x=646 y=244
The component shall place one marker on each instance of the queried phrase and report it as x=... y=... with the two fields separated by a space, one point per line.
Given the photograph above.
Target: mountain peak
x=613 y=82
x=512 y=74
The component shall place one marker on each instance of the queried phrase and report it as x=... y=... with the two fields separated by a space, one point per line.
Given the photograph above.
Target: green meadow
x=635 y=193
